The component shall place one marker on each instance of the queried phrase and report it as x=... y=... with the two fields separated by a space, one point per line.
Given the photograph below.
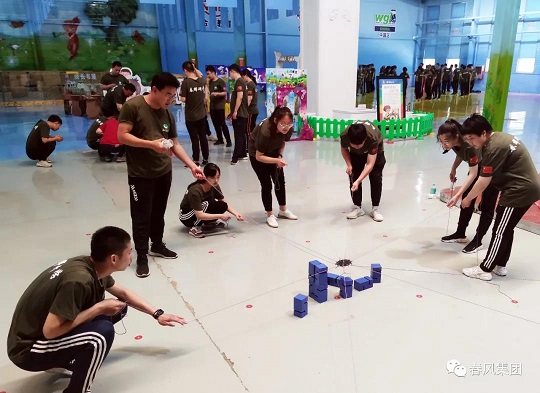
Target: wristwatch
x=159 y=312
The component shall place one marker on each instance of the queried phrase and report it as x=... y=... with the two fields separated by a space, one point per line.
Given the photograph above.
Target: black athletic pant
x=189 y=219
x=148 y=201
x=445 y=87
x=87 y=345
x=109 y=150
x=218 y=120
x=240 y=141
x=41 y=153
x=487 y=206
x=465 y=88
x=375 y=178
x=198 y=130
x=502 y=237
x=251 y=123
x=418 y=90
x=268 y=173
x=454 y=87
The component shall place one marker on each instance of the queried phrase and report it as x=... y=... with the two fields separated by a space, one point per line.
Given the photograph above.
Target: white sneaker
x=376 y=215
x=287 y=214
x=49 y=160
x=476 y=272
x=43 y=164
x=355 y=213
x=272 y=221
x=500 y=271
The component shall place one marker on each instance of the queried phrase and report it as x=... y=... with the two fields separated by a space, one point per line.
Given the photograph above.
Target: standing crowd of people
x=435 y=80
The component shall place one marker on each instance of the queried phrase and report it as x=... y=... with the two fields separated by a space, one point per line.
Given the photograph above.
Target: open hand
x=171 y=320
x=452 y=202
x=239 y=217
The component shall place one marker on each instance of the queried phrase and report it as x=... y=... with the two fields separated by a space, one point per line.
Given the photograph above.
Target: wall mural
x=84 y=36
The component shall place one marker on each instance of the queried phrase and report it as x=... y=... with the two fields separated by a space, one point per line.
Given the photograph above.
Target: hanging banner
x=390 y=98
x=286 y=87
x=386 y=23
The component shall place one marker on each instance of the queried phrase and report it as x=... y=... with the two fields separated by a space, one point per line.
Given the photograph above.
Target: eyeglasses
x=285 y=125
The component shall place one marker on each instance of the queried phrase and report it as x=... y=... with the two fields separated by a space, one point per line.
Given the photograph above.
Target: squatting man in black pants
x=145 y=124
x=363 y=151
x=62 y=321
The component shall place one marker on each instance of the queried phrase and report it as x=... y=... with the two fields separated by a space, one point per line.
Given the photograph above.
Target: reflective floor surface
x=237 y=290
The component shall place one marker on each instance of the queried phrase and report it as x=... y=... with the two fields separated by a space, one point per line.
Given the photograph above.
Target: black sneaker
x=229 y=144
x=218 y=143
x=213 y=225
x=472 y=247
x=234 y=162
x=454 y=238
x=142 y=266
x=204 y=163
x=159 y=250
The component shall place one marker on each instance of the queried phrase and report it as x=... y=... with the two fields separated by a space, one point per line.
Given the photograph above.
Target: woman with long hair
x=266 y=145
x=449 y=136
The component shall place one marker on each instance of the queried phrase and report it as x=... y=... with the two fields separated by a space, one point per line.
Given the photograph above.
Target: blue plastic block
x=346 y=292
x=318 y=296
x=317 y=267
x=361 y=283
x=332 y=279
x=300 y=303
x=376 y=267
x=369 y=282
x=344 y=281
x=300 y=314
x=320 y=281
x=376 y=276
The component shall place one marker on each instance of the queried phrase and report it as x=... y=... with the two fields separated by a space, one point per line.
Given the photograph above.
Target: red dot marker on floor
x=514 y=301
x=384 y=235
x=308 y=241
x=390 y=142
x=67 y=203
x=344 y=212
x=249 y=306
x=210 y=252
x=419 y=296
x=138 y=337
x=88 y=234
x=337 y=297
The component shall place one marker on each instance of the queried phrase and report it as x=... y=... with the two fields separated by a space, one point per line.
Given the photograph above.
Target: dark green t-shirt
x=240 y=87
x=91 y=136
x=40 y=130
x=149 y=124
x=252 y=92
x=194 y=92
x=65 y=289
x=468 y=153
x=262 y=140
x=195 y=196
x=506 y=160
x=374 y=142
x=217 y=86
x=118 y=80
x=114 y=96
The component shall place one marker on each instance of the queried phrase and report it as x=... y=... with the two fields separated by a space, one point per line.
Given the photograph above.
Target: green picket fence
x=415 y=127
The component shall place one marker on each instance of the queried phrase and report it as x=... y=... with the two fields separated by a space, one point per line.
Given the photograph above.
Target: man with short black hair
x=239 y=114
x=507 y=166
x=93 y=135
x=63 y=323
x=113 y=77
x=40 y=144
x=115 y=98
x=363 y=151
x=218 y=96
x=148 y=130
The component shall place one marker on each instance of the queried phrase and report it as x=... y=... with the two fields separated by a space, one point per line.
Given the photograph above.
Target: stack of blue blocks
x=363 y=283
x=318 y=281
x=300 y=305
x=376 y=272
x=345 y=285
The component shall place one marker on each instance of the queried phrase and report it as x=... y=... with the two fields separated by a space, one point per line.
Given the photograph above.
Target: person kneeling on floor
x=109 y=145
x=203 y=207
x=62 y=320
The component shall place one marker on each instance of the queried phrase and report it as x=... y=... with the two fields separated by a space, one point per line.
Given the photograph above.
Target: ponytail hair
x=246 y=72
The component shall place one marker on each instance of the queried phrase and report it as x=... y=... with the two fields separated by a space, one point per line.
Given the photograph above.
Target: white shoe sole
x=485 y=278
x=498 y=274
x=463 y=240
x=288 y=218
x=473 y=251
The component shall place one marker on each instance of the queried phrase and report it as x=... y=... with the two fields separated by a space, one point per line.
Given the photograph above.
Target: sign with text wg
x=385 y=23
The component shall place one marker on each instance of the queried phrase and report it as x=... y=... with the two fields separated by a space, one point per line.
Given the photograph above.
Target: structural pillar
x=329 y=32
x=500 y=61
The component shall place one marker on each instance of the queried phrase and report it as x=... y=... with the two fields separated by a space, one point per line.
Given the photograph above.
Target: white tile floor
x=387 y=339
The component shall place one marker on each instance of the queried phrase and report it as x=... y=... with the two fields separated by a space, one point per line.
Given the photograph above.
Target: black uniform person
x=456 y=79
x=465 y=80
x=508 y=166
x=449 y=136
x=145 y=125
x=62 y=320
x=218 y=96
x=111 y=105
x=430 y=80
x=446 y=75
x=239 y=114
x=418 y=83
x=40 y=144
x=437 y=82
x=405 y=75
